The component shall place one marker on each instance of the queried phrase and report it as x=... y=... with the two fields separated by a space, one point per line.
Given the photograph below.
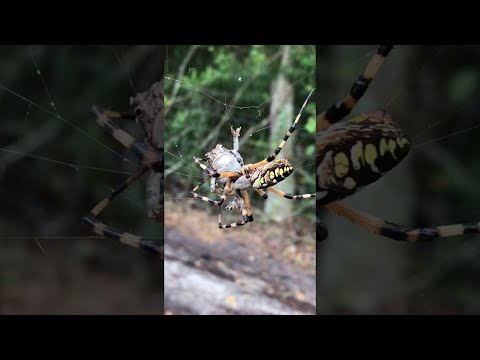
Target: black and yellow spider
x=227 y=167
x=148 y=114
x=350 y=154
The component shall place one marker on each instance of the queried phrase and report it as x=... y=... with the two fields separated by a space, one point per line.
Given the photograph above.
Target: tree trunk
x=281 y=115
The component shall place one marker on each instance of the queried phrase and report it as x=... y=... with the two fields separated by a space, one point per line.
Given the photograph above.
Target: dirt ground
x=256 y=269
x=87 y=276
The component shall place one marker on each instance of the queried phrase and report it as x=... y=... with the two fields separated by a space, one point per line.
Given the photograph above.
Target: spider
x=148 y=113
x=227 y=167
x=351 y=154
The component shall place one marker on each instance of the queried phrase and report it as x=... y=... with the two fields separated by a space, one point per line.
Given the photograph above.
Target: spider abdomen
x=354 y=153
x=271 y=173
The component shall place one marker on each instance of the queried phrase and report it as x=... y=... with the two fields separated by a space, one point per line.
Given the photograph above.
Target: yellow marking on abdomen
x=356 y=154
x=370 y=157
x=341 y=165
x=402 y=141
x=391 y=147
x=349 y=183
x=358 y=119
x=383 y=147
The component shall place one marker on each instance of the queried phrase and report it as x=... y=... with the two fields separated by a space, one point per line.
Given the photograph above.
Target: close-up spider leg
x=340 y=110
x=151 y=157
x=398 y=232
x=352 y=154
x=415 y=162
x=102 y=229
x=333 y=182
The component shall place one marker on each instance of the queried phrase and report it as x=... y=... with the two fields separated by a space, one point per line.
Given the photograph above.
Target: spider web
x=56 y=163
x=210 y=89
x=429 y=91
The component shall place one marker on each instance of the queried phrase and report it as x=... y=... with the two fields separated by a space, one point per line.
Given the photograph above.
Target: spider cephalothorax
x=227 y=167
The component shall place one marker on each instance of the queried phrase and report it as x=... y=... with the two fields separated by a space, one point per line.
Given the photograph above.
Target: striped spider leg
x=227 y=167
x=148 y=114
x=353 y=153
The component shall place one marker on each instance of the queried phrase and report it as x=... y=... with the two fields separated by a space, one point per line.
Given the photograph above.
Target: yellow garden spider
x=353 y=153
x=227 y=167
x=148 y=114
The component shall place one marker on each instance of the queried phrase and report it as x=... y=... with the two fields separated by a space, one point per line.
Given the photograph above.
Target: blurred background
x=430 y=91
x=56 y=163
x=264 y=267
